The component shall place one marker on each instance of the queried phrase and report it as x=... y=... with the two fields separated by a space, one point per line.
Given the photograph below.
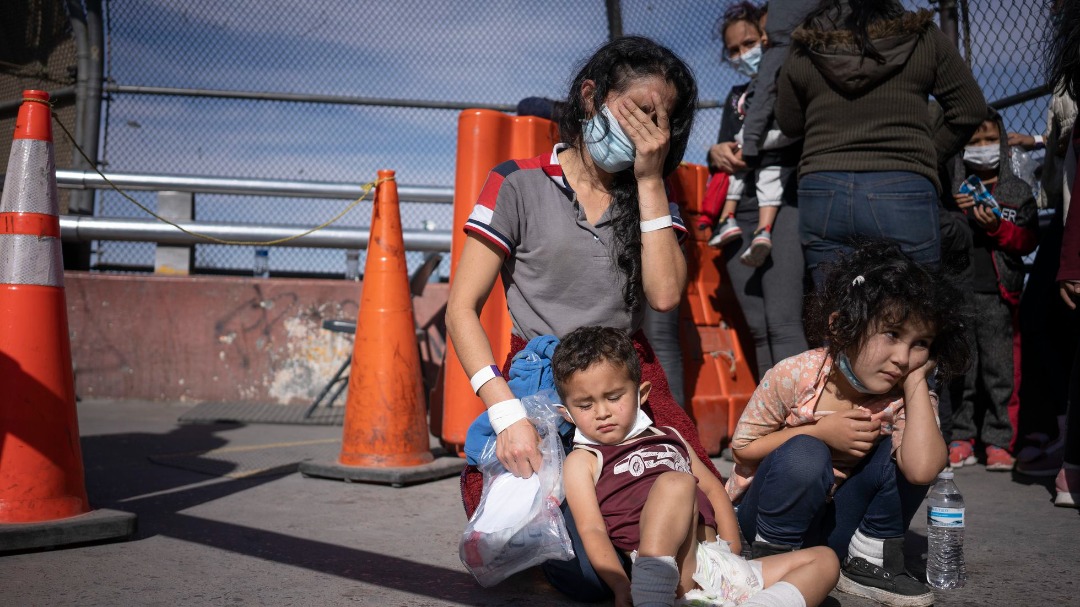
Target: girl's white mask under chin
x=640 y=424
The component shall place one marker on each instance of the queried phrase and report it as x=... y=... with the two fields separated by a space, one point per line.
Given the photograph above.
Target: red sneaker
x=998 y=459
x=961 y=453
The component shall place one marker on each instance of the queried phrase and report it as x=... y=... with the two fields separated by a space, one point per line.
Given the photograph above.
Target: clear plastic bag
x=1024 y=165
x=518 y=523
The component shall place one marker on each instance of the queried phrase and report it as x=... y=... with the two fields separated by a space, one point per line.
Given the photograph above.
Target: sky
x=477 y=51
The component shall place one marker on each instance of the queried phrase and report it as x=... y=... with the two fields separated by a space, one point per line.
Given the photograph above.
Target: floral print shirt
x=788 y=395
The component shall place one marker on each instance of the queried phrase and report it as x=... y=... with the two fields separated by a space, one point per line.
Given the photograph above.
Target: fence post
x=88 y=30
x=175 y=259
x=614 y=19
x=947 y=12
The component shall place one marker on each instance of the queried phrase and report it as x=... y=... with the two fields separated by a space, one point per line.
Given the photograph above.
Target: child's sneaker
x=889 y=585
x=998 y=459
x=725 y=232
x=1067 y=486
x=759 y=250
x=961 y=453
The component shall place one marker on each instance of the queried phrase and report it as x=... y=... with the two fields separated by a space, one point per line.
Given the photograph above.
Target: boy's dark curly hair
x=586 y=346
x=892 y=290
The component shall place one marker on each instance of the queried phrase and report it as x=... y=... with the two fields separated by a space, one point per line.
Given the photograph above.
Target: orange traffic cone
x=386 y=434
x=42 y=493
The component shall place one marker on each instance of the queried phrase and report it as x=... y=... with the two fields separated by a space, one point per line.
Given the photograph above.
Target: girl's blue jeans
x=787 y=502
x=836 y=207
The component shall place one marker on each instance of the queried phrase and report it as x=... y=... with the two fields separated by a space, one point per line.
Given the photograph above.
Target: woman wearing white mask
x=856 y=87
x=758 y=231
x=583 y=235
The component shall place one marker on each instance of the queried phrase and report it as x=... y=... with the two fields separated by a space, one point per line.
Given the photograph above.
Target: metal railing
x=83 y=228
x=76 y=228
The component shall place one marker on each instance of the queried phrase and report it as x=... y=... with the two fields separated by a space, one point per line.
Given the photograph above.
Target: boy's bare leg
x=813 y=571
x=668 y=524
x=767 y=215
x=729 y=209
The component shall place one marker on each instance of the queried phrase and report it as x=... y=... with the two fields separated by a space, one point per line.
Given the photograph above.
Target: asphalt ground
x=224 y=519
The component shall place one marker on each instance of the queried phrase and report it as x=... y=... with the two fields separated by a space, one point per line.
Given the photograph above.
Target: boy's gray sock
x=654 y=580
x=780 y=594
x=870 y=548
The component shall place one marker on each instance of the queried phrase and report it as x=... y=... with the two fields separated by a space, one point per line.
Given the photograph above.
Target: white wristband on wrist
x=483 y=376
x=503 y=415
x=656 y=224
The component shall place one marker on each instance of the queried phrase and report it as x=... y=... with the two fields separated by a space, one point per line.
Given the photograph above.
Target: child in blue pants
x=838 y=445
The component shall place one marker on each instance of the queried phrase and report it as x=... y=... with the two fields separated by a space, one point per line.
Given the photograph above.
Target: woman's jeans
x=837 y=207
x=786 y=503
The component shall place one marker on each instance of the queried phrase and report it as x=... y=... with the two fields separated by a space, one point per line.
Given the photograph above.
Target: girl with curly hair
x=838 y=445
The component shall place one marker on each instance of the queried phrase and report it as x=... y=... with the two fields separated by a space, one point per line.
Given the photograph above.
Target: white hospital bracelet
x=502 y=415
x=483 y=376
x=656 y=224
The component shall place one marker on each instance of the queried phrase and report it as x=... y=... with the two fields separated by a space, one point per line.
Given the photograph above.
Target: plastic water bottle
x=262 y=263
x=352 y=264
x=945 y=532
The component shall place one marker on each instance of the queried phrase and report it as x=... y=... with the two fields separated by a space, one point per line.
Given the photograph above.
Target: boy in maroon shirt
x=638 y=493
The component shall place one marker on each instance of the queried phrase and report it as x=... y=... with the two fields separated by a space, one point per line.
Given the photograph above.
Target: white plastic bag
x=518 y=523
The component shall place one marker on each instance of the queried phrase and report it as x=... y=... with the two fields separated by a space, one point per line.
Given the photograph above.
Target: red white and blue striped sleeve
x=677 y=223
x=495 y=216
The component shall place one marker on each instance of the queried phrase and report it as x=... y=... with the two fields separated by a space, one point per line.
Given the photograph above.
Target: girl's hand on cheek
x=921 y=374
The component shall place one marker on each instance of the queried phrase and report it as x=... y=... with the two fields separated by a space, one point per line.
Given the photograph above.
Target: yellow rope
x=367 y=187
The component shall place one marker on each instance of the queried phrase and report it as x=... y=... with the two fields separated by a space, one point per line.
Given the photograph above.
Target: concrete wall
x=211 y=338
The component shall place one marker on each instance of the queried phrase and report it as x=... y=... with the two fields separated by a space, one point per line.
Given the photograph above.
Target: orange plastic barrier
x=485 y=139
x=717 y=376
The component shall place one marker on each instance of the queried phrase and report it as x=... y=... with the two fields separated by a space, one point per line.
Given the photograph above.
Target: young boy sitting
x=639 y=495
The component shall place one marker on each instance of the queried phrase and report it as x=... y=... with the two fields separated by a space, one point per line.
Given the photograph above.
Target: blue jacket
x=530 y=372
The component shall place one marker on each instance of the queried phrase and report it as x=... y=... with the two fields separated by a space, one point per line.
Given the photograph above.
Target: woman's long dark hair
x=1063 y=51
x=613 y=68
x=856 y=16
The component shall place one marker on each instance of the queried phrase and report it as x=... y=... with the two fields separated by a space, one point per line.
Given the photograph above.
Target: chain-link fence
x=37 y=51
x=1003 y=42
x=173 y=71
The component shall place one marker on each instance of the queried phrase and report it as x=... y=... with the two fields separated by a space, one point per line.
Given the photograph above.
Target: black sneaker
x=898 y=589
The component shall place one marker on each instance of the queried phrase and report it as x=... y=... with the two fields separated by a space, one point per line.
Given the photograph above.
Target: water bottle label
x=947 y=517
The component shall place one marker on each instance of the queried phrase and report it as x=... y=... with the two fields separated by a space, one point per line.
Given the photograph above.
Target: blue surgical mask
x=748 y=62
x=611 y=151
x=844 y=364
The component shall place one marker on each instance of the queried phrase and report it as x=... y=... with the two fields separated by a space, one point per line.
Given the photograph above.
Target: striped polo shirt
x=559 y=272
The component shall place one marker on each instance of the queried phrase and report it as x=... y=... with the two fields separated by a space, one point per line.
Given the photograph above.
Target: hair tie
x=858 y=280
